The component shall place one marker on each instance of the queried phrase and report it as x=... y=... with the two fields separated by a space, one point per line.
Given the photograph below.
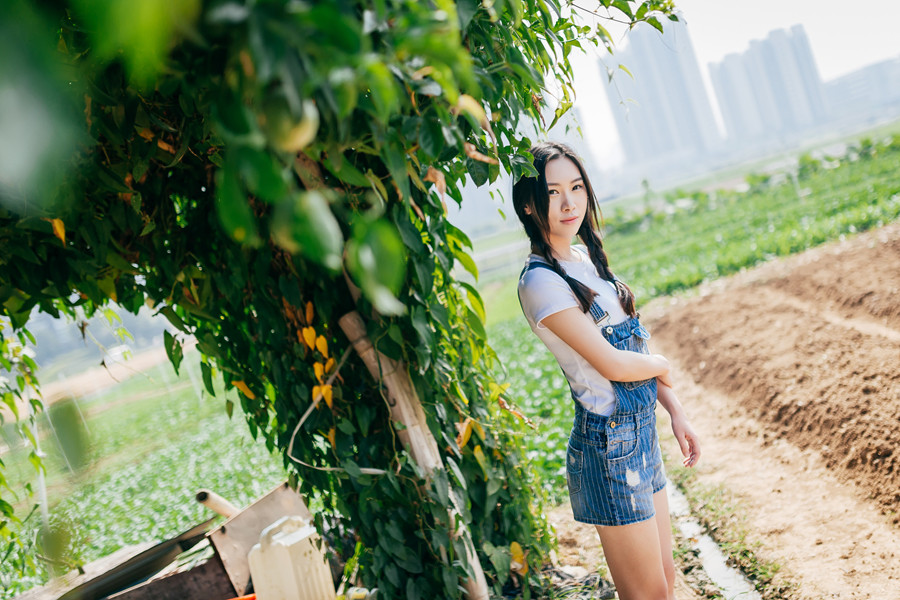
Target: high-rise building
x=869 y=93
x=772 y=89
x=662 y=112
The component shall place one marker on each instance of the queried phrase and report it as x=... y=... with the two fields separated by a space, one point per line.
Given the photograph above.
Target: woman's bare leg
x=633 y=554
x=664 y=526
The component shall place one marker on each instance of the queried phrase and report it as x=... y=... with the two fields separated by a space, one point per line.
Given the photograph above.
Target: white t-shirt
x=542 y=293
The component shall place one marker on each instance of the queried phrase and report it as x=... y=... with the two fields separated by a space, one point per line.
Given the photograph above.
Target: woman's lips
x=570 y=220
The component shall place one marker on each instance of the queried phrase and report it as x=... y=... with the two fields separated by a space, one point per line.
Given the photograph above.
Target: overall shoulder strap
x=596 y=311
x=536 y=265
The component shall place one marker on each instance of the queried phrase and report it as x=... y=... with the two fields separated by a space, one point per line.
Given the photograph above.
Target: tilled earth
x=811 y=348
x=791 y=375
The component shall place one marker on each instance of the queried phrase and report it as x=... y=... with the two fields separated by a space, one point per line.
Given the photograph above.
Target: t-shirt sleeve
x=542 y=293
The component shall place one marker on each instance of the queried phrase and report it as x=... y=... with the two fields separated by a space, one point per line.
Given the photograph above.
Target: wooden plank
x=406 y=408
x=118 y=570
x=205 y=581
x=64 y=583
x=236 y=536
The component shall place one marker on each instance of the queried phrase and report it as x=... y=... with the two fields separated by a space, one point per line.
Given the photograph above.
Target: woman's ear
x=527 y=210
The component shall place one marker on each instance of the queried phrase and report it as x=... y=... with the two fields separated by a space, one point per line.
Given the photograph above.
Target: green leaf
x=173 y=349
x=655 y=23
x=304 y=225
x=261 y=173
x=352 y=468
x=346 y=172
x=336 y=29
x=206 y=372
x=376 y=260
x=234 y=210
x=477 y=170
x=380 y=82
x=395 y=159
x=431 y=137
x=624 y=68
x=457 y=472
x=344 y=87
x=466 y=261
x=411 y=236
x=624 y=6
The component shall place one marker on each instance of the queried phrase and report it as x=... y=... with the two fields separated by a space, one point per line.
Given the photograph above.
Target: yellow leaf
x=331 y=433
x=59 y=229
x=460 y=393
x=322 y=345
x=244 y=389
x=465 y=432
x=326 y=394
x=482 y=461
x=329 y=365
x=518 y=562
x=479 y=430
x=309 y=313
x=319 y=368
x=309 y=336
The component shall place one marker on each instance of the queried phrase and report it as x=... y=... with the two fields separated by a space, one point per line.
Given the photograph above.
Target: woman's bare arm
x=681 y=427
x=578 y=330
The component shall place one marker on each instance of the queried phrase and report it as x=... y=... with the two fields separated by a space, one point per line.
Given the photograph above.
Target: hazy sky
x=844 y=36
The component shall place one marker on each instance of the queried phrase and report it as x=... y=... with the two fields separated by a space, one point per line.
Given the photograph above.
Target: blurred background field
x=149 y=444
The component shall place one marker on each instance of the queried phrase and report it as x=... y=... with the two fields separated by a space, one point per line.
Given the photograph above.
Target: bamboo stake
x=407 y=410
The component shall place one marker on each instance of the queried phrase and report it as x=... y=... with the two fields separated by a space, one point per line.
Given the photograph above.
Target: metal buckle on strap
x=598 y=314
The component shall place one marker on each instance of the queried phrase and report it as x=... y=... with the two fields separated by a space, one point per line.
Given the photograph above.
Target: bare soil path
x=791 y=374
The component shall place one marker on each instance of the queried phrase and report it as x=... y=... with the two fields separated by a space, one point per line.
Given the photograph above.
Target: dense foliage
x=244 y=168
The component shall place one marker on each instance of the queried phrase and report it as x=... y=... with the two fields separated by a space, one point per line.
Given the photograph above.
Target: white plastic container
x=288 y=564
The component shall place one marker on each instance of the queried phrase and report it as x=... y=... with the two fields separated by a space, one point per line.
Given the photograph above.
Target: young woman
x=586 y=317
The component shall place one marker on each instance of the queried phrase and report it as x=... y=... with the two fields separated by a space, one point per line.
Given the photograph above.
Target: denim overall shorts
x=614 y=463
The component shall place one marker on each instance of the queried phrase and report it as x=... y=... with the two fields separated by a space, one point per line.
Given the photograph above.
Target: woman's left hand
x=687 y=439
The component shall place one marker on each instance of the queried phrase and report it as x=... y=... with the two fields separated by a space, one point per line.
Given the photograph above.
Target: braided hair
x=531 y=193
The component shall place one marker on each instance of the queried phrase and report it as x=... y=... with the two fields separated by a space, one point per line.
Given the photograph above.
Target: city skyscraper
x=662 y=112
x=868 y=94
x=771 y=90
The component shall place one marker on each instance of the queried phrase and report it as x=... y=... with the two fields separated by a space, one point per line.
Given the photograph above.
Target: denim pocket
x=621 y=442
x=574 y=468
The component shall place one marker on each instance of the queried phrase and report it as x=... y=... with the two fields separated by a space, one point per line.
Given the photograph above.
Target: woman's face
x=568 y=201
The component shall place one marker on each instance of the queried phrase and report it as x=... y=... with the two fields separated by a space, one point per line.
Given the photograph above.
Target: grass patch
x=720 y=512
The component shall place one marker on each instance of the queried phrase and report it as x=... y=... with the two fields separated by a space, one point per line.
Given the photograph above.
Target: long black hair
x=531 y=192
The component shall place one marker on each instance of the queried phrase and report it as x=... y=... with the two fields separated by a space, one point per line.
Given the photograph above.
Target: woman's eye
x=551 y=192
x=577 y=186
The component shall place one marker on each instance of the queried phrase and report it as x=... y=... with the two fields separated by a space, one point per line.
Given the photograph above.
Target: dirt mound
x=810 y=347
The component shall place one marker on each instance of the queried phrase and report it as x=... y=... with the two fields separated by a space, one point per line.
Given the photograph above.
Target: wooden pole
x=217 y=503
x=415 y=435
